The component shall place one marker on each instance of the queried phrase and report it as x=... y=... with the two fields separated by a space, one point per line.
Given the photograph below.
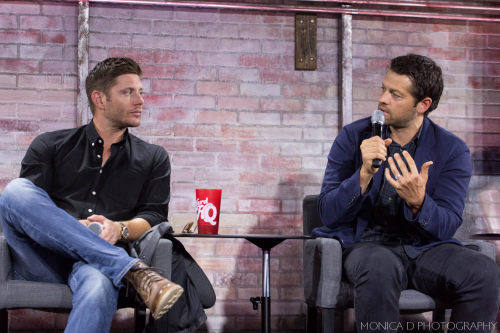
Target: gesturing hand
x=409 y=184
x=110 y=229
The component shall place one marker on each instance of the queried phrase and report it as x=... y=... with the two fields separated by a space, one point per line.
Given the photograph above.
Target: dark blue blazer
x=345 y=212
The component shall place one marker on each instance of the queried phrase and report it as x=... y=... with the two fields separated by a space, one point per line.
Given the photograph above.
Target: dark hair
x=425 y=74
x=103 y=76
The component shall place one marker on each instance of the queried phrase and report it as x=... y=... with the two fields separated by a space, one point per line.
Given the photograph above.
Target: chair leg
x=438 y=316
x=327 y=320
x=4 y=321
x=311 y=319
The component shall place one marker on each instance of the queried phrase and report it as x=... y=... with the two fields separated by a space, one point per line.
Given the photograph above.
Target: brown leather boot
x=158 y=293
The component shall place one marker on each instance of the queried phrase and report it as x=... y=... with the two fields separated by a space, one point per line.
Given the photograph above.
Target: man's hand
x=371 y=149
x=410 y=184
x=110 y=230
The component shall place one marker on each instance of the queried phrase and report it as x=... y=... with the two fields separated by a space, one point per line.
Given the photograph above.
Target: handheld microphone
x=96 y=227
x=378 y=120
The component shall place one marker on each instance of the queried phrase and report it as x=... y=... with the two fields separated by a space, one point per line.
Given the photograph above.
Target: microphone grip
x=376 y=163
x=376 y=131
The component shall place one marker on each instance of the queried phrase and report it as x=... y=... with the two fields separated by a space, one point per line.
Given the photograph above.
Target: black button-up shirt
x=134 y=182
x=388 y=224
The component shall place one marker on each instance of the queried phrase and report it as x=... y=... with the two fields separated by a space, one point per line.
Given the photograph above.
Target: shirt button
x=90 y=210
x=98 y=156
x=93 y=193
x=100 y=141
x=100 y=171
x=93 y=144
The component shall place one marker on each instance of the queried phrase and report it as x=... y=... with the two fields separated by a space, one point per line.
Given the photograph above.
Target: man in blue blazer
x=396 y=222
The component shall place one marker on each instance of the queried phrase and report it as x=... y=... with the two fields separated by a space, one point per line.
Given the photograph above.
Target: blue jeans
x=49 y=245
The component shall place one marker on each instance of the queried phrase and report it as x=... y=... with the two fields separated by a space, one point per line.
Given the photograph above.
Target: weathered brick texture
x=222 y=96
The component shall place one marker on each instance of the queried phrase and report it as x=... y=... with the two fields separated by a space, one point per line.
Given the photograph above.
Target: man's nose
x=383 y=97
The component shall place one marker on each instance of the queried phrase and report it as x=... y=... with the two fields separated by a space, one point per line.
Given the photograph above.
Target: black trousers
x=464 y=278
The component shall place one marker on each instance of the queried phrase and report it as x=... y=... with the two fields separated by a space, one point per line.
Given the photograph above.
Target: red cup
x=208 y=210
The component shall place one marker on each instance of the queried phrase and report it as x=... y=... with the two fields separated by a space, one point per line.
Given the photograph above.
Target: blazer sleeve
x=441 y=213
x=340 y=200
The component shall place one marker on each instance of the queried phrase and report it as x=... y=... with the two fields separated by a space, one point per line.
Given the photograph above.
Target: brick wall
x=222 y=96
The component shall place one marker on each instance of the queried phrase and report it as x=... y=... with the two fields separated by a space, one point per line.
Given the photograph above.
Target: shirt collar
x=93 y=136
x=387 y=134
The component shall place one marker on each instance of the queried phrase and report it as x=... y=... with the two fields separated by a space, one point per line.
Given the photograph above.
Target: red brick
x=279 y=133
x=494 y=41
x=216 y=146
x=41 y=22
x=260 y=32
x=278 y=18
x=215 y=175
x=8 y=51
x=384 y=37
x=275 y=162
x=283 y=47
x=188 y=14
x=302 y=90
x=141 y=56
x=195 y=44
x=368 y=51
x=397 y=50
x=173 y=115
x=196 y=102
x=321 y=133
x=173 y=86
x=153 y=42
x=40 y=81
x=154 y=129
x=216 y=88
x=301 y=178
x=484 y=55
x=110 y=10
x=237 y=103
x=259 y=177
x=216 y=117
x=7 y=81
x=158 y=100
x=195 y=73
x=301 y=119
x=153 y=71
x=449 y=26
x=18 y=126
x=20 y=7
x=238 y=45
x=70 y=23
x=239 y=74
x=171 y=144
x=238 y=16
x=218 y=59
x=235 y=279
x=465 y=40
x=259 y=206
x=367 y=78
x=281 y=104
x=236 y=132
x=193 y=160
x=152 y=12
x=484 y=83
x=259 y=118
x=261 y=61
x=107 y=40
x=217 y=30
x=181 y=130
x=8 y=22
x=65 y=9
x=16 y=95
x=259 y=147
x=19 y=37
x=40 y=52
x=279 y=75
x=254 y=89
x=51 y=37
x=237 y=161
x=484 y=27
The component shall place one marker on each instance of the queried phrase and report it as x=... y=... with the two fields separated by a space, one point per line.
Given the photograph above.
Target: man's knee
x=483 y=276
x=16 y=191
x=92 y=287
x=373 y=263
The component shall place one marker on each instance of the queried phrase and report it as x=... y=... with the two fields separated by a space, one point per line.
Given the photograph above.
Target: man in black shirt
x=98 y=173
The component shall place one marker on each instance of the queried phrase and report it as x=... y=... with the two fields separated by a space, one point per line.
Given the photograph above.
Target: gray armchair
x=17 y=294
x=326 y=291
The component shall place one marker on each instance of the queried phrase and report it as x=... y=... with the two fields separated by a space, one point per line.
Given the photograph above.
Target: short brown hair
x=103 y=76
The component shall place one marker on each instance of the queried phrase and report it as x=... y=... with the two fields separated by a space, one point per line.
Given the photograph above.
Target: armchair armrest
x=162 y=257
x=5 y=264
x=322 y=272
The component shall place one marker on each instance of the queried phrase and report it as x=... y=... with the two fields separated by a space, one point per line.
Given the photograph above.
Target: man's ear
x=98 y=98
x=424 y=105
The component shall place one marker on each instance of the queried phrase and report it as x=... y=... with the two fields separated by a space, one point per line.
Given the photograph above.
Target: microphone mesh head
x=95 y=227
x=378 y=117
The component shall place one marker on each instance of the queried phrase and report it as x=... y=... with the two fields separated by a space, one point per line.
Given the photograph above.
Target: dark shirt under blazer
x=134 y=181
x=346 y=213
